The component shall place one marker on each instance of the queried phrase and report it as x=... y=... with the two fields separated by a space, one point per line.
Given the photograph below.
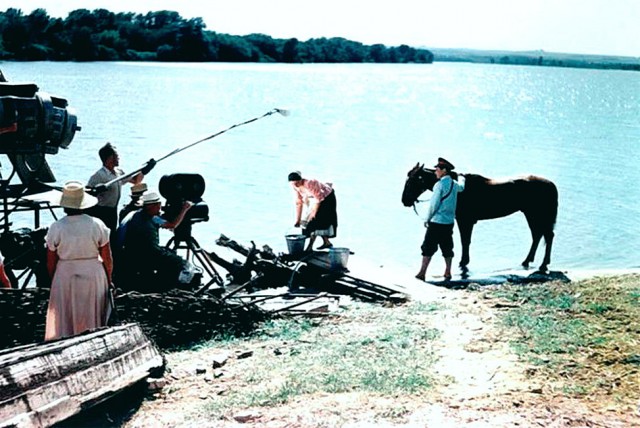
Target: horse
x=485 y=198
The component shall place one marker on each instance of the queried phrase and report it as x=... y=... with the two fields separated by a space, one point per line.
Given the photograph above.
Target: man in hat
x=109 y=197
x=141 y=244
x=136 y=192
x=440 y=218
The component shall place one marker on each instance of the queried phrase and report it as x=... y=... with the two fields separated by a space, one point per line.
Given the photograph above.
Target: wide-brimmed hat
x=442 y=162
x=73 y=196
x=149 y=198
x=138 y=189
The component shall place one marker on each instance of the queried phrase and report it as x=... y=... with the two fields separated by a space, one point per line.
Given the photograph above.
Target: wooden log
x=266 y=253
x=242 y=287
x=45 y=383
x=387 y=292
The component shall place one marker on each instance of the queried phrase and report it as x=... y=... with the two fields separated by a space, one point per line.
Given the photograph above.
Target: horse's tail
x=545 y=201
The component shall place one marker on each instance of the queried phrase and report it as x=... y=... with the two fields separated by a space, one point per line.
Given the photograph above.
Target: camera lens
x=182 y=187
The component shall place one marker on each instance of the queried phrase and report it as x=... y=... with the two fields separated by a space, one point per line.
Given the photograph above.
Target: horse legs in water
x=535 y=240
x=537 y=232
x=548 y=239
x=465 y=228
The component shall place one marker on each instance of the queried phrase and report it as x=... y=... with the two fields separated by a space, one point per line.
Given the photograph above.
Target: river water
x=362 y=127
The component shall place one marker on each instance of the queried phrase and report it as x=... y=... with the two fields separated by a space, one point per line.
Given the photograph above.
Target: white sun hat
x=73 y=196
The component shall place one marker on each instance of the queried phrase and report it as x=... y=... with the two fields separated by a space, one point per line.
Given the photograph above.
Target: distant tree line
x=101 y=35
x=573 y=61
x=538 y=58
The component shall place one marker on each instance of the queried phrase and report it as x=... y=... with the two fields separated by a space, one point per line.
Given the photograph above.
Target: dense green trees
x=101 y=35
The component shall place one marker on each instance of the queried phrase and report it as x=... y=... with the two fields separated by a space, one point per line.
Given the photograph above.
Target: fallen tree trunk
x=45 y=383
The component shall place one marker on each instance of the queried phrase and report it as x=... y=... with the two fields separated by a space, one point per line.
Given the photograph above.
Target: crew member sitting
x=142 y=252
x=136 y=193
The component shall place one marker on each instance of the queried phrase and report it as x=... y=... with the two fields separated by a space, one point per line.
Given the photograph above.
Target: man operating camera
x=142 y=252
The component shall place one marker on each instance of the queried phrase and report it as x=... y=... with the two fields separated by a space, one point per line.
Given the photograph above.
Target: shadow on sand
x=512 y=277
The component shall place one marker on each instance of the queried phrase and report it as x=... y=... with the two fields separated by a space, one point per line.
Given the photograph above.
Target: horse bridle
x=421 y=180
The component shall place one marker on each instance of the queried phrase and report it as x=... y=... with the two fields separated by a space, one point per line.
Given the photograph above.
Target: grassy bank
x=581 y=338
x=525 y=355
x=368 y=349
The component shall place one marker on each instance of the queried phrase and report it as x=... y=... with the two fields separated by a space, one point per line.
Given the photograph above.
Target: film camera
x=32 y=124
x=178 y=188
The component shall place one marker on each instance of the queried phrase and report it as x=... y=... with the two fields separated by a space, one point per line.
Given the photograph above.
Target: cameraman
x=142 y=251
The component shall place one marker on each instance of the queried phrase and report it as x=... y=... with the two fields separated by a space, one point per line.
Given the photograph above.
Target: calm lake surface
x=362 y=127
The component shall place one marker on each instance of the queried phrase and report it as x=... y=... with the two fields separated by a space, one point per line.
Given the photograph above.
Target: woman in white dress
x=80 y=265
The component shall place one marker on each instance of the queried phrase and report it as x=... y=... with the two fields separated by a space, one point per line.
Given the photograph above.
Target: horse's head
x=419 y=179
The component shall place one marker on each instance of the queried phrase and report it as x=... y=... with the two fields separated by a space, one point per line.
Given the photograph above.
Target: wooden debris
x=46 y=383
x=291 y=303
x=179 y=317
x=22 y=316
x=310 y=272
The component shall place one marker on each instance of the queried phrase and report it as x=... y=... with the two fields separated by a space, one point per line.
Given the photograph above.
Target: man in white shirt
x=109 y=197
x=440 y=218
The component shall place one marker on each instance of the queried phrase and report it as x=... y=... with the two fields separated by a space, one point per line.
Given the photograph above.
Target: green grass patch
x=582 y=335
x=370 y=349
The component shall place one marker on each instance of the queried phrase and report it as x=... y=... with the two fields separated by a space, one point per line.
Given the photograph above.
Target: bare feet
x=420 y=277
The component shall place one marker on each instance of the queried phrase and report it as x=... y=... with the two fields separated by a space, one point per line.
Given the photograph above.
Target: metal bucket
x=295 y=244
x=338 y=258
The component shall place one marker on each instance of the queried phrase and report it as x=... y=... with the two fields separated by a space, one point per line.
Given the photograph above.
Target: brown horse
x=484 y=198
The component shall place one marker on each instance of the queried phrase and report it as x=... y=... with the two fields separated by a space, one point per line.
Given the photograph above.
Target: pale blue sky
x=608 y=27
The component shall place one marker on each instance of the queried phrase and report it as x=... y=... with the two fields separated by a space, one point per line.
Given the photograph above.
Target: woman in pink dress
x=322 y=219
x=80 y=265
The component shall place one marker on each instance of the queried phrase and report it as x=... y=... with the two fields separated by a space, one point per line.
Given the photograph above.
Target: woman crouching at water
x=322 y=219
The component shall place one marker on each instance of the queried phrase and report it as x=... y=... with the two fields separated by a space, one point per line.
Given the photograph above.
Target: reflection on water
x=362 y=127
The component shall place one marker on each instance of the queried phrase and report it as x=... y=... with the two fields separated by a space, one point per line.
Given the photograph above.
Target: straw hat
x=138 y=189
x=149 y=198
x=74 y=196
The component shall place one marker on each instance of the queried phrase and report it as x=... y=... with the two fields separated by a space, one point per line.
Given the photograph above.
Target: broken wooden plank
x=292 y=304
x=45 y=383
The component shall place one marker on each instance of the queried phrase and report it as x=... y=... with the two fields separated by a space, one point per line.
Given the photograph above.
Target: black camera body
x=32 y=125
x=197 y=213
x=178 y=188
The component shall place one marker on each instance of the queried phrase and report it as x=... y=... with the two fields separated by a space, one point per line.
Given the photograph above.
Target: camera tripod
x=183 y=240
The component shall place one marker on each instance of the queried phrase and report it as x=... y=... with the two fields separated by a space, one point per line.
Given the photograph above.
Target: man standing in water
x=440 y=218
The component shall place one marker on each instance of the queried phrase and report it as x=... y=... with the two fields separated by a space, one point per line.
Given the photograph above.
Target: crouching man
x=145 y=259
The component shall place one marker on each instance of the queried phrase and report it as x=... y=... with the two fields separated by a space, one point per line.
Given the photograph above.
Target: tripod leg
x=204 y=261
x=172 y=243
